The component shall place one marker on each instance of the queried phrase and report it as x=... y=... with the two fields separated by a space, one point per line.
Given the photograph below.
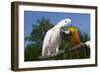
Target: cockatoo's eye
x=65 y=21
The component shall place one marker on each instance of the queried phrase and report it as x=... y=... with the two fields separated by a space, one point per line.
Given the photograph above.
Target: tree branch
x=61 y=52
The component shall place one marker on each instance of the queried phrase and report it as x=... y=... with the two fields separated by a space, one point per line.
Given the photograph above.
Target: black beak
x=64 y=33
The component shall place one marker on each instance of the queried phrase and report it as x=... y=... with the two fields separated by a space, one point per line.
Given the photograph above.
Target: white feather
x=46 y=41
x=52 y=39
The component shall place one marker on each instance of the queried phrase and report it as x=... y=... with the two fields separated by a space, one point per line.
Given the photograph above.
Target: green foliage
x=83 y=36
x=33 y=50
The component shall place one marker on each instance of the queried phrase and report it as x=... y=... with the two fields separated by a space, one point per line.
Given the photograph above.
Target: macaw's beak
x=65 y=33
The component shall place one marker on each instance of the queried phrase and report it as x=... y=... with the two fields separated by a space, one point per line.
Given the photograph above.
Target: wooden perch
x=77 y=47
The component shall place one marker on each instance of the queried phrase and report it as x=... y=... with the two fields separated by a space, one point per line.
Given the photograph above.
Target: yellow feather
x=74 y=38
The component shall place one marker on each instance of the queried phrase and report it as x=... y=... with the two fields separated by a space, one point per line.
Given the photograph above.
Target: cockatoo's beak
x=68 y=23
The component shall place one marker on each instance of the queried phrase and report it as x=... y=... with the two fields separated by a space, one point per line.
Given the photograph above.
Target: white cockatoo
x=52 y=39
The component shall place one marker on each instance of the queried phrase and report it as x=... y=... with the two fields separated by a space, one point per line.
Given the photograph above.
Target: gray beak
x=68 y=24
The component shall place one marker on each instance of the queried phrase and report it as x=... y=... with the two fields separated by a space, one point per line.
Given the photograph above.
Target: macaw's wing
x=81 y=36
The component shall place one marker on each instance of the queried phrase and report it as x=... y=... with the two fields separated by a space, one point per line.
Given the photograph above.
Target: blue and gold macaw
x=74 y=37
x=71 y=37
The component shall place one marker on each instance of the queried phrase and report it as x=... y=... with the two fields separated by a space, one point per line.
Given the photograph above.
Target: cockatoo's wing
x=46 y=41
